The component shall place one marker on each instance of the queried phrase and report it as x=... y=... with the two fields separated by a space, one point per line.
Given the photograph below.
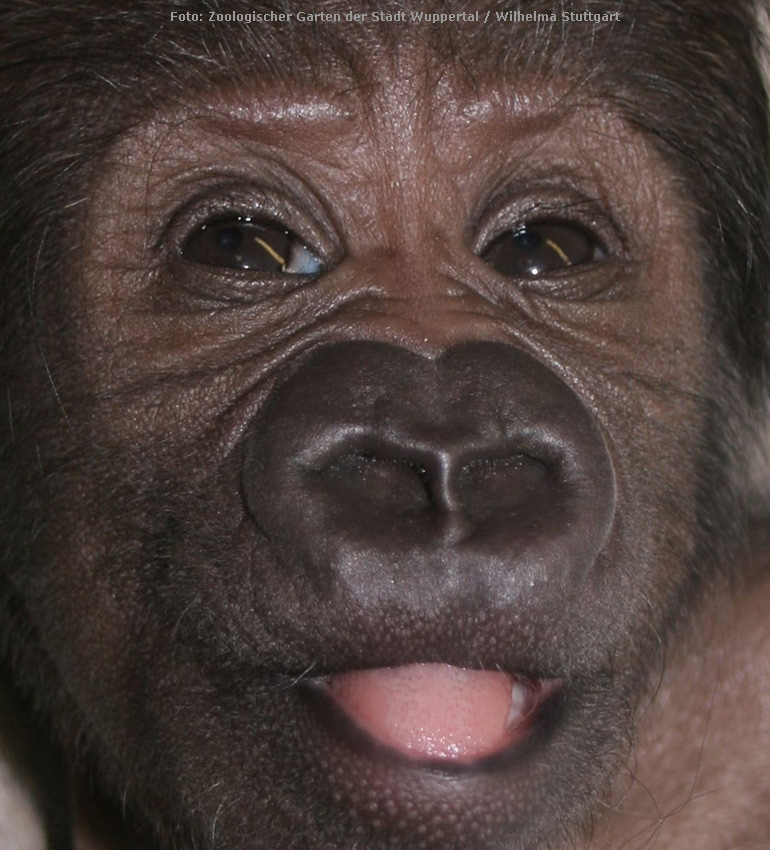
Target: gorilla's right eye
x=242 y=242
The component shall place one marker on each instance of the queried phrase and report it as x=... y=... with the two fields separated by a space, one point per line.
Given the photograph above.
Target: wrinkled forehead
x=361 y=51
x=359 y=55
x=397 y=63
x=367 y=52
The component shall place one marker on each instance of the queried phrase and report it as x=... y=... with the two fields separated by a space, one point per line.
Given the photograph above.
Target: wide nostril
x=491 y=485
x=394 y=479
x=381 y=481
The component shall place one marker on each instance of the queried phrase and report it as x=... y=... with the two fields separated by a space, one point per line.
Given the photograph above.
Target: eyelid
x=262 y=247
x=610 y=276
x=218 y=202
x=565 y=205
x=544 y=247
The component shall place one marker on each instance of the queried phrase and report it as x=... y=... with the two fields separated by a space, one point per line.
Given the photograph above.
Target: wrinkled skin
x=231 y=485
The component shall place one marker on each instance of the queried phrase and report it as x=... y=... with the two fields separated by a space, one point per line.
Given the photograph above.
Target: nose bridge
x=416 y=258
x=427 y=305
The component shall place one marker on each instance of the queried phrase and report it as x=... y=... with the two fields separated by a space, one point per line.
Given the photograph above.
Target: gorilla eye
x=539 y=247
x=241 y=242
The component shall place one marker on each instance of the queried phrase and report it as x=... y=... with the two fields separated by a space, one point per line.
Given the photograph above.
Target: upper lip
x=328 y=652
x=323 y=669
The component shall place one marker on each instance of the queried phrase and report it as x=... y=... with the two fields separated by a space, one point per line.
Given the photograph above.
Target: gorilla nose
x=370 y=464
x=449 y=477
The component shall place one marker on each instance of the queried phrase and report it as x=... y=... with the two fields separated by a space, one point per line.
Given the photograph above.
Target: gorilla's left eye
x=539 y=247
x=241 y=242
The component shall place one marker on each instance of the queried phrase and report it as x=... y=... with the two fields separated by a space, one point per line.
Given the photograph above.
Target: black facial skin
x=339 y=347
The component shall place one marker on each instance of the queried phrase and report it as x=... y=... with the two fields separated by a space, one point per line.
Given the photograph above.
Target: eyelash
x=264 y=246
x=547 y=239
x=540 y=246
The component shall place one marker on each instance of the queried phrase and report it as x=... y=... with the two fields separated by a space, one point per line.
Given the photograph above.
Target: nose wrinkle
x=429 y=320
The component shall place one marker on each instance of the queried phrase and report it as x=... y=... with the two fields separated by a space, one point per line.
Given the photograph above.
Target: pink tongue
x=429 y=710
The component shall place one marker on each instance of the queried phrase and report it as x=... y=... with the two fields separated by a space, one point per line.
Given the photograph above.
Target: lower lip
x=379 y=790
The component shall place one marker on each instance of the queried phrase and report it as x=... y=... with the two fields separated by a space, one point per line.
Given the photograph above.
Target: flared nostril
x=396 y=479
x=493 y=485
x=381 y=481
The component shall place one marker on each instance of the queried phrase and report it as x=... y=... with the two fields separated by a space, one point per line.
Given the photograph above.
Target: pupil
x=229 y=238
x=529 y=240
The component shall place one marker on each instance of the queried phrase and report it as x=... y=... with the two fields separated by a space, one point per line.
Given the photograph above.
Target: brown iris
x=241 y=242
x=538 y=248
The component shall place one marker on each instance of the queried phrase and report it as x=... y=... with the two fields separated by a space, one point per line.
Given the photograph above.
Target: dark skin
x=477 y=409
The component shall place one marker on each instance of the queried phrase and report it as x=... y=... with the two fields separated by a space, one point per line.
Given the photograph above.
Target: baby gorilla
x=383 y=408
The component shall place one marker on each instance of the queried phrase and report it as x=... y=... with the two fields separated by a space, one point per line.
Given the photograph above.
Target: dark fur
x=74 y=79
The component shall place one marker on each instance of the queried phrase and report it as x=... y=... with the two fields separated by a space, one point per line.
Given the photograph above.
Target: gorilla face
x=385 y=445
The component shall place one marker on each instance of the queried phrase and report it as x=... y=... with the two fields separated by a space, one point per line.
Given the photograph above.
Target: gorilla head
x=380 y=398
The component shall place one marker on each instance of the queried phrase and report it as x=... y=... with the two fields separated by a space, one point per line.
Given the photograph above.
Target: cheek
x=651 y=374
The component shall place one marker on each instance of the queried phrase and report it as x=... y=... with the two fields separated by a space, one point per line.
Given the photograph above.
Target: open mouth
x=437 y=715
x=437 y=755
